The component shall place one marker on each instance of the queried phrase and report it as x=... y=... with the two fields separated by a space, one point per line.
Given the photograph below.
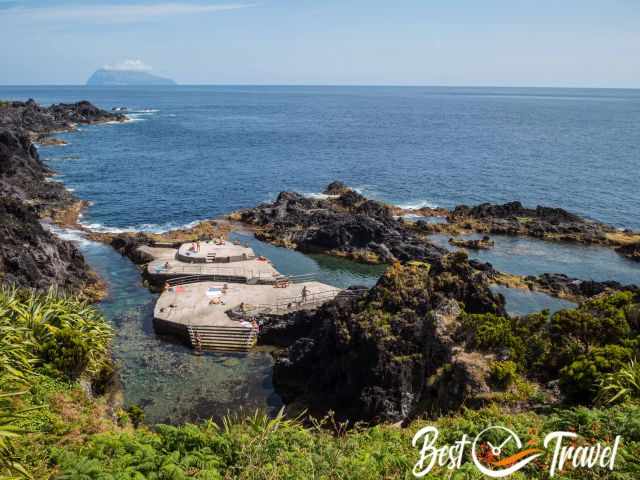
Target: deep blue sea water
x=197 y=152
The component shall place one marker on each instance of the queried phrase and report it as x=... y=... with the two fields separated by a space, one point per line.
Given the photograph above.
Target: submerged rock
x=630 y=251
x=484 y=243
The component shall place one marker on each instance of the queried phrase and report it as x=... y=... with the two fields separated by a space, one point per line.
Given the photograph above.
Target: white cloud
x=135 y=65
x=133 y=12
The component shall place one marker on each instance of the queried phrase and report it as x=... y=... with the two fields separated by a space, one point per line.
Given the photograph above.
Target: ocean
x=196 y=152
x=193 y=153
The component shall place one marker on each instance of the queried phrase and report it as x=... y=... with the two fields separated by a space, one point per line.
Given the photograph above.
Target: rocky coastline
x=30 y=255
x=545 y=223
x=484 y=243
x=430 y=338
x=345 y=224
x=561 y=286
x=404 y=348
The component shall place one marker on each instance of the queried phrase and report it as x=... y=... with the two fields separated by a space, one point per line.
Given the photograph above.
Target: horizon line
x=355 y=85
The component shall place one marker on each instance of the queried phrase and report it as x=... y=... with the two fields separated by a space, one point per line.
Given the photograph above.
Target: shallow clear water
x=524 y=302
x=334 y=271
x=165 y=377
x=208 y=150
x=529 y=256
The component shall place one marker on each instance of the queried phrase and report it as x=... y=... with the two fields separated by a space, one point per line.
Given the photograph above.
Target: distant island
x=107 y=77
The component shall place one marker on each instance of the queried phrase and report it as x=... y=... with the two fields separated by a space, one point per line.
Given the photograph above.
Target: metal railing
x=299 y=302
x=304 y=277
x=203 y=272
x=209 y=269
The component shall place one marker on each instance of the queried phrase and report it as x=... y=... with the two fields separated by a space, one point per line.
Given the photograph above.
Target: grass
x=620 y=386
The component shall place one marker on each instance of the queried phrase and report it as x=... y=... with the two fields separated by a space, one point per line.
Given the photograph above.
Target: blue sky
x=413 y=42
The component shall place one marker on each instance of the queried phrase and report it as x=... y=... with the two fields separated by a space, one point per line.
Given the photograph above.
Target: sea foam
x=144 y=227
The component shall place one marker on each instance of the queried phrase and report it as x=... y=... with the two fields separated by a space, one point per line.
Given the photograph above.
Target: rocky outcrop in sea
x=562 y=286
x=542 y=222
x=343 y=224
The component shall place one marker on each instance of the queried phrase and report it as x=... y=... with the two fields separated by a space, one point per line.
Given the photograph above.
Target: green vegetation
x=503 y=374
x=621 y=385
x=259 y=447
x=43 y=338
x=580 y=347
x=51 y=428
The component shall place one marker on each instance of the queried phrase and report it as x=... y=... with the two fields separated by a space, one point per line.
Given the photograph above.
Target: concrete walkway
x=194 y=304
x=244 y=271
x=211 y=251
x=209 y=279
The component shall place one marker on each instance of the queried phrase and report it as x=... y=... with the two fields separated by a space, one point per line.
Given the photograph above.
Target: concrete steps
x=223 y=338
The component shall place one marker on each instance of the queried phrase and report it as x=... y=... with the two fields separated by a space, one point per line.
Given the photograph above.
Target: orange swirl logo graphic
x=513 y=463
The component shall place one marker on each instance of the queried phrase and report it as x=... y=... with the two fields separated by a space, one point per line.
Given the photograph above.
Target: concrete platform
x=212 y=252
x=158 y=253
x=190 y=304
x=199 y=313
x=247 y=271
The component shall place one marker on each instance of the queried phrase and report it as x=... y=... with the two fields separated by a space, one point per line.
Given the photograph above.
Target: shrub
x=67 y=352
x=579 y=380
x=503 y=374
x=620 y=386
x=136 y=415
x=64 y=332
x=521 y=340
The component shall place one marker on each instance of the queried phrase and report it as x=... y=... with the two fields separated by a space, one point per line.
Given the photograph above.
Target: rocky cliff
x=389 y=354
x=30 y=256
